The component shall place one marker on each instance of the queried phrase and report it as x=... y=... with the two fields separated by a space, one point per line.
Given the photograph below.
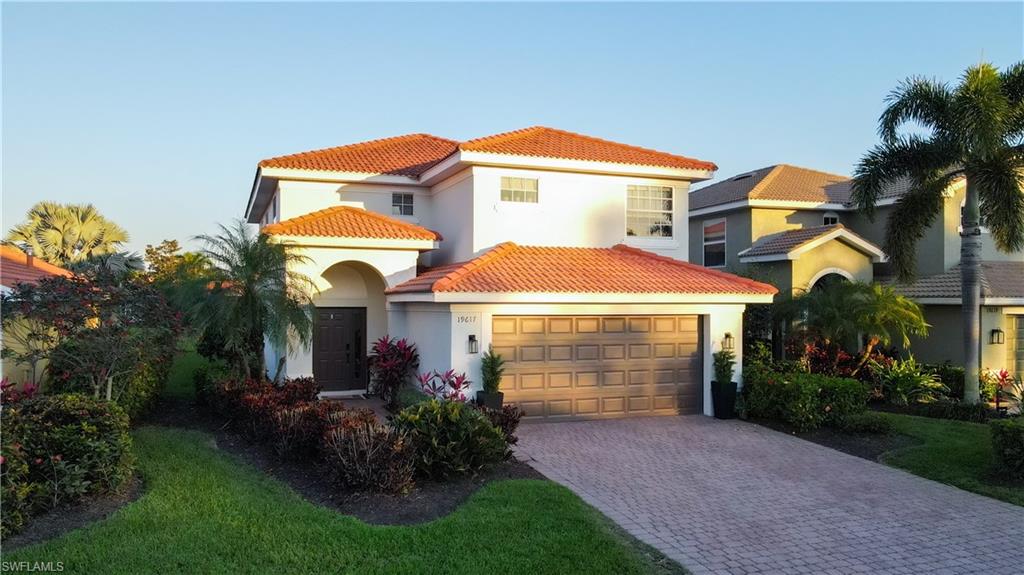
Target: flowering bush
x=58 y=449
x=10 y=393
x=364 y=454
x=451 y=438
x=991 y=381
x=391 y=364
x=448 y=386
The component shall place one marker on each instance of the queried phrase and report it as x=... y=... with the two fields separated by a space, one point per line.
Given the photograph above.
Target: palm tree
x=63 y=234
x=117 y=263
x=975 y=131
x=846 y=314
x=253 y=292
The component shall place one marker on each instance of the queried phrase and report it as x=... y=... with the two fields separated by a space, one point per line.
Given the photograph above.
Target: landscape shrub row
x=58 y=449
x=436 y=438
x=803 y=401
x=1008 y=446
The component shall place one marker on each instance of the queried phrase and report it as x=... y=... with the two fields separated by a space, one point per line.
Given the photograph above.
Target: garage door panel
x=565 y=367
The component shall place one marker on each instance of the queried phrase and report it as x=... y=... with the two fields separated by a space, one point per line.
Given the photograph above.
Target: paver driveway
x=734 y=497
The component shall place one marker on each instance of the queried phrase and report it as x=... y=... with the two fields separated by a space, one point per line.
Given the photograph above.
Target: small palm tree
x=63 y=234
x=253 y=292
x=846 y=314
x=973 y=131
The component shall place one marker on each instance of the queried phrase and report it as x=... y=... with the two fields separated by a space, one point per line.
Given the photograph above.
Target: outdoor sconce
x=728 y=342
x=998 y=337
x=473 y=344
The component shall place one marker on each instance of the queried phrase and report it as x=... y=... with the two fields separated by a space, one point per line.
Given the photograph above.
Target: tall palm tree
x=253 y=292
x=975 y=131
x=63 y=234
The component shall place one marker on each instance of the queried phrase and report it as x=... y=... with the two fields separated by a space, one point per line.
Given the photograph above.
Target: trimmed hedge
x=1008 y=446
x=451 y=438
x=975 y=413
x=58 y=449
x=804 y=401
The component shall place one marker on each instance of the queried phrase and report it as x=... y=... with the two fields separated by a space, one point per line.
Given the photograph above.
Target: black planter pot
x=493 y=400
x=723 y=397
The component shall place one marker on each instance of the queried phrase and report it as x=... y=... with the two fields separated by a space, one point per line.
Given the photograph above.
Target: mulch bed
x=429 y=500
x=869 y=446
x=61 y=520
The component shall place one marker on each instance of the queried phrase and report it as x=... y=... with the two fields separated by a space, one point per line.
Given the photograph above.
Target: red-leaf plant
x=391 y=364
x=446 y=385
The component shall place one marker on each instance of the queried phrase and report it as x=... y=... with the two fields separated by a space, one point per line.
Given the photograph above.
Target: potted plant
x=492 y=367
x=723 y=388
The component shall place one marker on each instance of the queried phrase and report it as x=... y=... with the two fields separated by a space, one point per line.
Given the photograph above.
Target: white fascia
x=774 y=204
x=360 y=243
x=560 y=164
x=985 y=301
x=588 y=298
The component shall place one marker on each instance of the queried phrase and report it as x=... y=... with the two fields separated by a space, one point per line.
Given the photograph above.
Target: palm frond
x=1000 y=183
x=918 y=100
x=981 y=111
x=890 y=162
x=911 y=217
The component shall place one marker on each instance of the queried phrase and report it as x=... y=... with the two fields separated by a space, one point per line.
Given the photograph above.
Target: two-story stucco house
x=797 y=227
x=564 y=252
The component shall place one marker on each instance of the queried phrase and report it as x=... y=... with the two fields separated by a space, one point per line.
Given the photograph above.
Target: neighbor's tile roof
x=998 y=279
x=17 y=267
x=350 y=222
x=890 y=190
x=621 y=269
x=779 y=182
x=787 y=241
x=413 y=154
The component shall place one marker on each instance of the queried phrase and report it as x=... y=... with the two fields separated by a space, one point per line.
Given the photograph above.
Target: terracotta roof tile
x=18 y=267
x=350 y=222
x=998 y=279
x=408 y=155
x=413 y=154
x=621 y=269
x=779 y=182
x=552 y=143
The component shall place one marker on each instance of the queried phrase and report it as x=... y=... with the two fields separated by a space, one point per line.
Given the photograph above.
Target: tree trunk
x=970 y=272
x=865 y=356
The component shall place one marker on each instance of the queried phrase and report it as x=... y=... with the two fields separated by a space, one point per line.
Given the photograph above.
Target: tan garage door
x=567 y=367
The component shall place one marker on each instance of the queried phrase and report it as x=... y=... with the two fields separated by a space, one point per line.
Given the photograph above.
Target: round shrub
x=59 y=449
x=363 y=454
x=867 y=422
x=1008 y=446
x=451 y=438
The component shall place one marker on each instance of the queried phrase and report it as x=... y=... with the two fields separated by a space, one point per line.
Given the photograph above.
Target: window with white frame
x=523 y=190
x=830 y=219
x=401 y=204
x=649 y=211
x=714 y=243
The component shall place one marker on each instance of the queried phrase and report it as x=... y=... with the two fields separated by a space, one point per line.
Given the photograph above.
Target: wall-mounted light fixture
x=728 y=342
x=473 y=345
x=997 y=337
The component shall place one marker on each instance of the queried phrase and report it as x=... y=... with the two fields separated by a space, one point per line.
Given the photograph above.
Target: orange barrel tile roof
x=18 y=267
x=413 y=154
x=621 y=269
x=350 y=222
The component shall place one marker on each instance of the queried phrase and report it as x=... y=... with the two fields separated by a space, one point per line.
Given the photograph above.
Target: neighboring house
x=18 y=267
x=564 y=252
x=798 y=228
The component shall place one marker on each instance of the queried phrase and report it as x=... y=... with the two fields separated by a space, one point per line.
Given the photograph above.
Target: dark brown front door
x=339 y=348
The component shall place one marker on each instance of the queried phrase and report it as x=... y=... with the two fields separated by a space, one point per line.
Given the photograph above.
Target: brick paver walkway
x=733 y=497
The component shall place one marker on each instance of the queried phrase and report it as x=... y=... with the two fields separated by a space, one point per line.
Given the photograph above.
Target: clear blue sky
x=158 y=114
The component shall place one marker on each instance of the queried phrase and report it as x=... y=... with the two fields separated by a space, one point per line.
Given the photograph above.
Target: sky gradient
x=158 y=114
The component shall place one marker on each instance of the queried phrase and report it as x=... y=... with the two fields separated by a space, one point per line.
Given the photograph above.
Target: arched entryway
x=350 y=315
x=829 y=277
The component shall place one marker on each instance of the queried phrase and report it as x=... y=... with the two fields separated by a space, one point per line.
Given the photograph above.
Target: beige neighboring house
x=566 y=253
x=798 y=229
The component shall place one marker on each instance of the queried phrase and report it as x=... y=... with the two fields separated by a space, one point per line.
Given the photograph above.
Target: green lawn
x=204 y=511
x=957 y=453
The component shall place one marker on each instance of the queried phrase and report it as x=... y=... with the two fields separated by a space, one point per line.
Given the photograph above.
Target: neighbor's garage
x=580 y=367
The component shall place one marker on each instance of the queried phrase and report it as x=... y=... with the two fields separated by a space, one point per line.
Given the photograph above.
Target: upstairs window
x=830 y=219
x=401 y=204
x=714 y=243
x=523 y=190
x=649 y=211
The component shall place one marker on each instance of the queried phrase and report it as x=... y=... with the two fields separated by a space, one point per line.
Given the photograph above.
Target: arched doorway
x=350 y=315
x=829 y=277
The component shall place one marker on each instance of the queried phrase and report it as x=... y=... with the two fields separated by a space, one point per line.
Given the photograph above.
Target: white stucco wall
x=300 y=198
x=573 y=210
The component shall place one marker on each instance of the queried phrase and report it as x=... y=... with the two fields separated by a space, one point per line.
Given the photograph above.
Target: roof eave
x=579 y=297
x=358 y=243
